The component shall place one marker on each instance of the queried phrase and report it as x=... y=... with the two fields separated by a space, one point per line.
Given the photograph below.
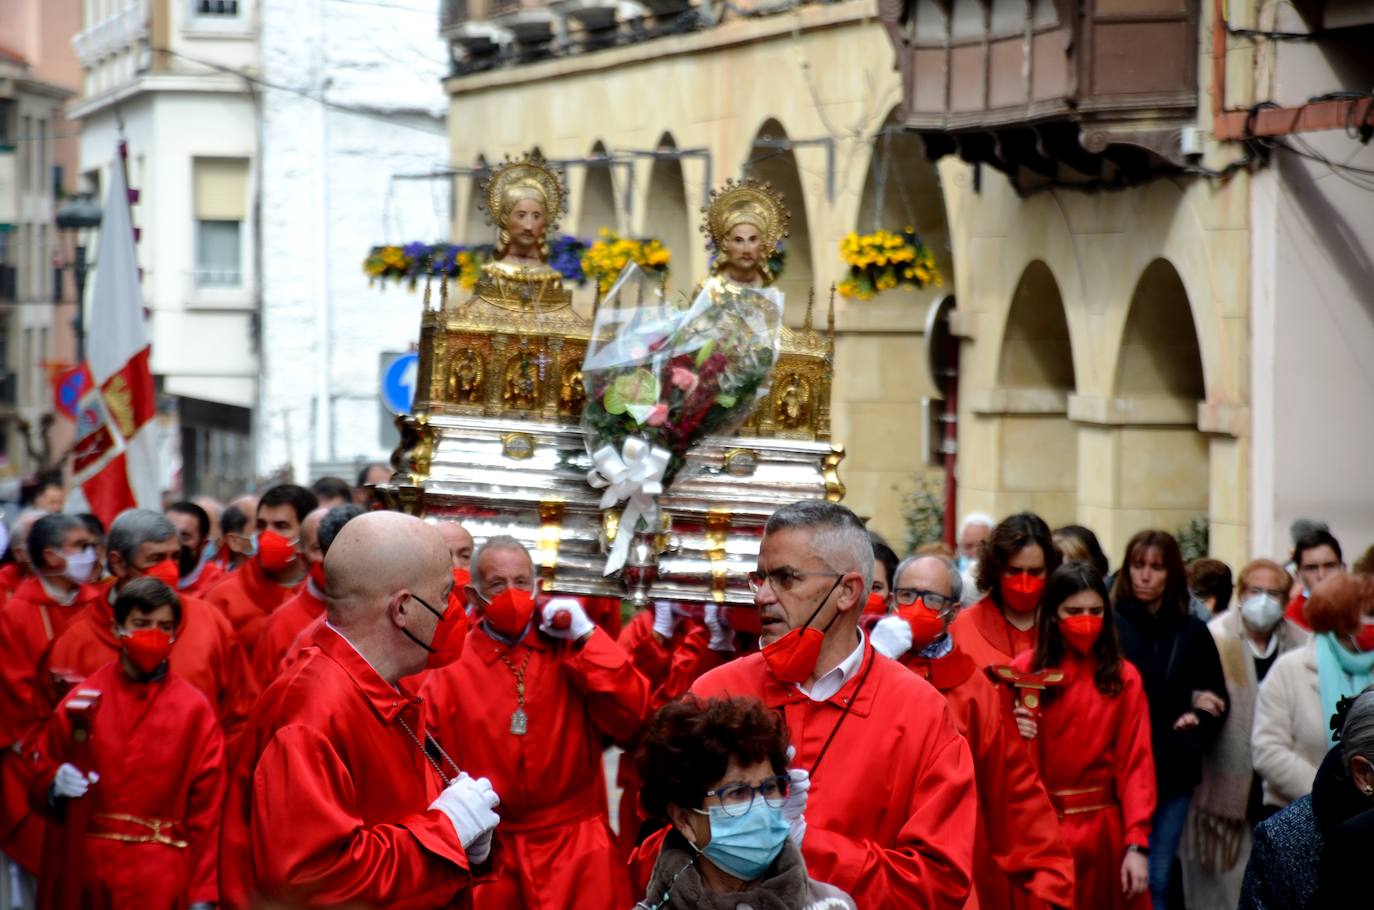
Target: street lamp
x=78 y=217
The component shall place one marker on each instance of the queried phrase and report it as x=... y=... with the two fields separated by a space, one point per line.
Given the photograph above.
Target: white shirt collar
x=832 y=682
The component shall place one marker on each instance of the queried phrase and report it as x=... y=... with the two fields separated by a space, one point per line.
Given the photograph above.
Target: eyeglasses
x=1280 y=596
x=908 y=596
x=783 y=579
x=737 y=799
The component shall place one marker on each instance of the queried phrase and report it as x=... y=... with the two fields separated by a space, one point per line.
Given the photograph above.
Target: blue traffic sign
x=398 y=383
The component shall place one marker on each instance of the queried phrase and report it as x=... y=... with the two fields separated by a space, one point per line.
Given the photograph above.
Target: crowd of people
x=302 y=699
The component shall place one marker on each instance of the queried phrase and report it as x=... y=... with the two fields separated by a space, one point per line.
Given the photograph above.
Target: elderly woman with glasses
x=717 y=769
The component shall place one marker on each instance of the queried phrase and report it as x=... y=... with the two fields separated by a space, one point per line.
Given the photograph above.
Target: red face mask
x=1022 y=592
x=1080 y=632
x=275 y=552
x=793 y=656
x=147 y=649
x=926 y=624
x=509 y=612
x=165 y=572
x=875 y=605
x=317 y=575
x=1364 y=639
x=450 y=633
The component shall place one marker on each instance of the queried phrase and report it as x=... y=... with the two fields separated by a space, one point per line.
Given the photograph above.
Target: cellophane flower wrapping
x=674 y=373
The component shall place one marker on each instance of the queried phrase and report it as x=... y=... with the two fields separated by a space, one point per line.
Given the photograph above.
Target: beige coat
x=1290 y=732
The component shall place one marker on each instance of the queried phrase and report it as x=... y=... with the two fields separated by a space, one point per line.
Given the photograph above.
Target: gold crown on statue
x=520 y=178
x=746 y=201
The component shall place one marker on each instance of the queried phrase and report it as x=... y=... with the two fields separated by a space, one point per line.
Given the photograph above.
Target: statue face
x=525 y=224
x=743 y=252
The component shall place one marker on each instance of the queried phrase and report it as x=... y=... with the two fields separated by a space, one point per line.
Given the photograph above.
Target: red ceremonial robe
x=154 y=816
x=1094 y=757
x=29 y=622
x=202 y=580
x=328 y=800
x=1020 y=859
x=205 y=654
x=558 y=849
x=892 y=810
x=247 y=597
x=1297 y=611
x=10 y=577
x=983 y=633
x=282 y=628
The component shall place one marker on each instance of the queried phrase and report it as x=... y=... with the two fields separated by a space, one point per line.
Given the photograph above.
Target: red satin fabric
x=328 y=797
x=1297 y=611
x=29 y=622
x=892 y=811
x=1086 y=739
x=983 y=633
x=558 y=849
x=160 y=755
x=10 y=577
x=206 y=654
x=1020 y=858
x=281 y=630
x=210 y=575
x=247 y=597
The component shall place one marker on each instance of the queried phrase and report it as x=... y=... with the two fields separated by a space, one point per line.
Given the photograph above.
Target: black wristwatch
x=1136 y=848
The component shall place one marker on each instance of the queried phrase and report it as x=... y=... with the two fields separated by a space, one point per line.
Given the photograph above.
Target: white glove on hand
x=891 y=637
x=666 y=618
x=794 y=808
x=468 y=804
x=70 y=783
x=578 y=622
x=722 y=636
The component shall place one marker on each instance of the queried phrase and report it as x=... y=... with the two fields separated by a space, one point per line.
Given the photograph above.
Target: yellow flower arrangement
x=882 y=260
x=611 y=252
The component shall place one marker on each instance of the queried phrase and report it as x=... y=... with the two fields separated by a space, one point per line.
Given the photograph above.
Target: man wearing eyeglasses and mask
x=882 y=799
x=528 y=705
x=1020 y=855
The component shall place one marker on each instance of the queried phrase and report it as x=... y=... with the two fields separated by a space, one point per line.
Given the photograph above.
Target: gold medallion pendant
x=519 y=722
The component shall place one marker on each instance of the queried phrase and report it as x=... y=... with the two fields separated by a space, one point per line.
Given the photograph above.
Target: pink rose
x=683 y=378
x=658 y=415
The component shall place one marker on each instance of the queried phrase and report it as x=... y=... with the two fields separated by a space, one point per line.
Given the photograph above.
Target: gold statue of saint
x=745 y=223
x=524 y=198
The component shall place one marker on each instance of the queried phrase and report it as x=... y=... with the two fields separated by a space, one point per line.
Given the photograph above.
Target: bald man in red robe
x=1021 y=860
x=43 y=606
x=273 y=576
x=550 y=693
x=883 y=804
x=340 y=794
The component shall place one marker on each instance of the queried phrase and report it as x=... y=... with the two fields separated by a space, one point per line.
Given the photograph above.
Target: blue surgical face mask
x=745 y=846
x=964 y=563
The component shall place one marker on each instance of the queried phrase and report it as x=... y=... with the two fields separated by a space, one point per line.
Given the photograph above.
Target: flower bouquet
x=884 y=260
x=659 y=378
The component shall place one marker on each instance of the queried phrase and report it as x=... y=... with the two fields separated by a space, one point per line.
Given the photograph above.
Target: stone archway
x=666 y=215
x=778 y=166
x=596 y=207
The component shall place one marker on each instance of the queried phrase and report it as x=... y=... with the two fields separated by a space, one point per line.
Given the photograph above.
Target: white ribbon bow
x=634 y=474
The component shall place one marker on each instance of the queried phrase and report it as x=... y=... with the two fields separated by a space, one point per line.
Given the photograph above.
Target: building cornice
x=149 y=83
x=731 y=33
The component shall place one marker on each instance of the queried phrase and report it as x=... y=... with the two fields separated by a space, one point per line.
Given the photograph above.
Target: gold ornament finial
x=810 y=305
x=830 y=317
x=746 y=201
x=429 y=279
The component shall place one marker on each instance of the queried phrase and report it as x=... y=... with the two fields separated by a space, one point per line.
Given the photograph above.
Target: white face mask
x=1261 y=611
x=80 y=565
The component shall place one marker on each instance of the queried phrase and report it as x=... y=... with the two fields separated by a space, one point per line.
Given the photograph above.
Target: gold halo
x=746 y=201
x=529 y=169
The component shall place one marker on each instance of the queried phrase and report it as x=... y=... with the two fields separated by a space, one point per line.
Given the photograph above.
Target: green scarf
x=1340 y=673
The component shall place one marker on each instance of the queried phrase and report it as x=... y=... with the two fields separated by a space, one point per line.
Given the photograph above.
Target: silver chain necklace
x=425 y=752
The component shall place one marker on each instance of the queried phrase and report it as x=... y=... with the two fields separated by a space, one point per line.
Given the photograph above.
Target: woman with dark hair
x=1091 y=741
x=1013 y=564
x=717 y=769
x=1181 y=670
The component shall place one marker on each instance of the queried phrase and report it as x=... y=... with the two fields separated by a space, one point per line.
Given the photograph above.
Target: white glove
x=891 y=637
x=722 y=636
x=469 y=805
x=665 y=618
x=70 y=783
x=578 y=622
x=794 y=807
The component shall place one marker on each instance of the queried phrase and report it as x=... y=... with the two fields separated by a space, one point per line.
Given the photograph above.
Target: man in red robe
x=287 y=624
x=339 y=794
x=1020 y=859
x=276 y=571
x=133 y=758
x=12 y=574
x=459 y=542
x=62 y=552
x=236 y=533
x=205 y=652
x=549 y=692
x=197 y=573
x=890 y=813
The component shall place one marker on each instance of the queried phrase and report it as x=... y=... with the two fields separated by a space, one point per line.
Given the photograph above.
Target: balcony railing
x=111 y=34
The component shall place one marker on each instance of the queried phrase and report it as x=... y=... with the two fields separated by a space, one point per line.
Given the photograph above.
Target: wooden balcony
x=1061 y=89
